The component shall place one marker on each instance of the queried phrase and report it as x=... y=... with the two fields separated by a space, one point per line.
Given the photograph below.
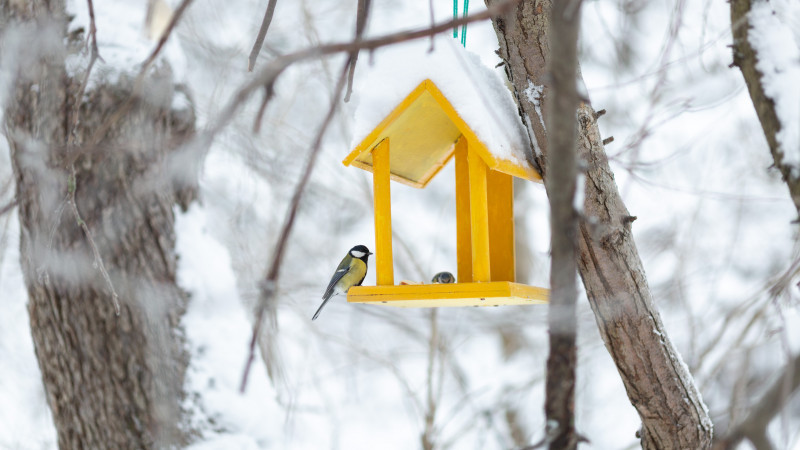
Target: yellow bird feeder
x=411 y=145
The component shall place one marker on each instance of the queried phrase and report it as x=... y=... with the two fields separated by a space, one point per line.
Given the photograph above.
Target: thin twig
x=176 y=16
x=94 y=55
x=433 y=22
x=8 y=207
x=269 y=74
x=271 y=279
x=98 y=260
x=137 y=85
x=107 y=125
x=390 y=364
x=754 y=425
x=362 y=12
x=72 y=183
x=262 y=33
x=260 y=115
x=430 y=413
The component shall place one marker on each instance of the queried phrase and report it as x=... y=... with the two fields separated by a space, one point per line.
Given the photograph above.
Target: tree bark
x=562 y=170
x=111 y=381
x=658 y=384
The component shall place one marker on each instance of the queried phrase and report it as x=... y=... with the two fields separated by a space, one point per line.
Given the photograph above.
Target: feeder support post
x=384 y=268
x=479 y=212
x=501 y=226
x=463 y=218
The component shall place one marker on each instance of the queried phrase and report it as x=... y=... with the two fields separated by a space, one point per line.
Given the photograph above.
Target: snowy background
x=714 y=231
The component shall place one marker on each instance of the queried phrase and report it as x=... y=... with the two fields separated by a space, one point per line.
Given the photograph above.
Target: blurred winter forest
x=715 y=227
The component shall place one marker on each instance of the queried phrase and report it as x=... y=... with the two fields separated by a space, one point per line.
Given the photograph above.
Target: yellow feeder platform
x=411 y=145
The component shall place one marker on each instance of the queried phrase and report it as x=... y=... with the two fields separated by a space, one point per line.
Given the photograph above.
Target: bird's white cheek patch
x=357 y=253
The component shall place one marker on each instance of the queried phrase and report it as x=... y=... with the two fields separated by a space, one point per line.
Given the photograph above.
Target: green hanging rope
x=455 y=16
x=464 y=27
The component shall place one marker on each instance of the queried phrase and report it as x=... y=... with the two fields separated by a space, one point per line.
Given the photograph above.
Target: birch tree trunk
x=658 y=384
x=112 y=381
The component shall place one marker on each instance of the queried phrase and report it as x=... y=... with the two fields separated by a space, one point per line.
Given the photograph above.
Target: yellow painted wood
x=463 y=218
x=459 y=294
x=422 y=138
x=520 y=169
x=500 y=193
x=423 y=128
x=527 y=173
x=479 y=215
x=384 y=269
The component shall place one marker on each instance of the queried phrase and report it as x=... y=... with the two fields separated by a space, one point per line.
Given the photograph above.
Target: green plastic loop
x=464 y=27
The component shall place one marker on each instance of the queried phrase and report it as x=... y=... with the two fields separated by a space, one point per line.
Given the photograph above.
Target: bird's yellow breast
x=358 y=269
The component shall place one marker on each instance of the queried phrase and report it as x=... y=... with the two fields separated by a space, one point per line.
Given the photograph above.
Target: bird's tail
x=316 y=314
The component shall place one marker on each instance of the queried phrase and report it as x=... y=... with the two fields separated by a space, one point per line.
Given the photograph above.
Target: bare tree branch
x=98 y=260
x=176 y=16
x=362 y=14
x=266 y=298
x=428 y=434
x=8 y=207
x=262 y=33
x=261 y=109
x=72 y=133
x=268 y=75
x=106 y=126
x=746 y=58
x=433 y=21
x=137 y=86
x=754 y=425
x=94 y=56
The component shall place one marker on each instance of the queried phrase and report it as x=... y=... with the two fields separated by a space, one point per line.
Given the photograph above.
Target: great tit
x=443 y=278
x=351 y=272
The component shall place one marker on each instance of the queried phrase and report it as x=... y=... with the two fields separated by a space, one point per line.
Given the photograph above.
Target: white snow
x=580 y=193
x=713 y=229
x=218 y=330
x=25 y=420
x=534 y=95
x=122 y=40
x=476 y=92
x=775 y=36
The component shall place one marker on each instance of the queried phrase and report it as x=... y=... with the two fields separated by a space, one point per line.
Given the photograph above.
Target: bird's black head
x=361 y=252
x=443 y=278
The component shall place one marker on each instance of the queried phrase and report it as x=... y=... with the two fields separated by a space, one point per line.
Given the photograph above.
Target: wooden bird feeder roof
x=423 y=130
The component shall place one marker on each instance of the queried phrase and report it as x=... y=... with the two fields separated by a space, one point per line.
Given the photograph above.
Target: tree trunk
x=658 y=385
x=562 y=170
x=754 y=426
x=112 y=381
x=746 y=58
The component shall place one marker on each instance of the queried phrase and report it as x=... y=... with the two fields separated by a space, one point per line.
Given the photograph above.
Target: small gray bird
x=443 y=278
x=351 y=272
